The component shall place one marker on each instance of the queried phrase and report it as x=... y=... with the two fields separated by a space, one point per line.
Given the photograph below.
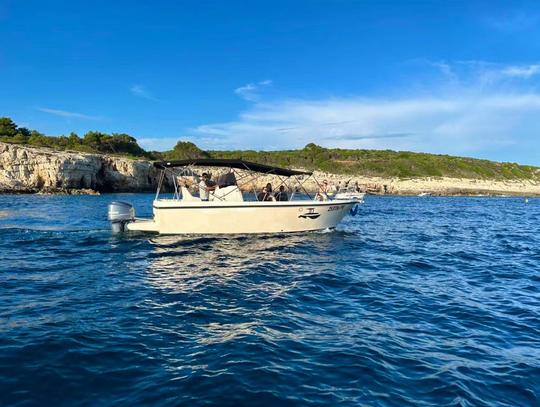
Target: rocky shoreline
x=29 y=170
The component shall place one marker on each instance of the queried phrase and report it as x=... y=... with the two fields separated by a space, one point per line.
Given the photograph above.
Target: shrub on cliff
x=92 y=142
x=116 y=143
x=10 y=132
x=185 y=150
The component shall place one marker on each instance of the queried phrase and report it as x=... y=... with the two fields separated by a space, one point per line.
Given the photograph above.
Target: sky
x=449 y=77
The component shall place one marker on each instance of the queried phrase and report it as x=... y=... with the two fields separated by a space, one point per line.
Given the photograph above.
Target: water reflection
x=227 y=288
x=182 y=263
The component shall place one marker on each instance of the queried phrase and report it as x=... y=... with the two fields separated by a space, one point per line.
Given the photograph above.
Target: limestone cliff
x=29 y=169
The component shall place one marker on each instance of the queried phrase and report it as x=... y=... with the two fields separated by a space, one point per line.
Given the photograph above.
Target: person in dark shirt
x=281 y=195
x=263 y=195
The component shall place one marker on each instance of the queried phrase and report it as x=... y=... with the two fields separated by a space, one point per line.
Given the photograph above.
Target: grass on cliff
x=381 y=163
x=386 y=163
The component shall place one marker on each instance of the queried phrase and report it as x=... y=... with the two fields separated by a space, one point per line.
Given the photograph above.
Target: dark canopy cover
x=229 y=163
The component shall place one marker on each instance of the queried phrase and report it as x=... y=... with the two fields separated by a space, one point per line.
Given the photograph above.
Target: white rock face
x=29 y=169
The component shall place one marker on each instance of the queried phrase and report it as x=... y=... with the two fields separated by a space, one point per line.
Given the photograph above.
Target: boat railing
x=244 y=180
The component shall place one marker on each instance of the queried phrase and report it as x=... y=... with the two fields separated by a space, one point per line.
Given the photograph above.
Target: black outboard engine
x=120 y=214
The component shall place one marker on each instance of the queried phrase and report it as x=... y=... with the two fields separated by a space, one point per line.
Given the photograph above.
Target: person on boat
x=322 y=195
x=356 y=187
x=264 y=195
x=269 y=188
x=206 y=186
x=281 y=195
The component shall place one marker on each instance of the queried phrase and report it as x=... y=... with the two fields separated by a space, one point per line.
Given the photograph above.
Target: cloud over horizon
x=142 y=92
x=250 y=91
x=488 y=108
x=65 y=113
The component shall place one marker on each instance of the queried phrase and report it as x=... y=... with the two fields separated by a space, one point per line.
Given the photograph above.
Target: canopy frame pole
x=245 y=174
x=251 y=177
x=318 y=193
x=175 y=196
x=160 y=183
x=221 y=198
x=284 y=182
x=302 y=185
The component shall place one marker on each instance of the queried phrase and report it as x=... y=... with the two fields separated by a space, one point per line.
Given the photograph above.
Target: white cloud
x=516 y=20
x=65 y=113
x=526 y=71
x=142 y=92
x=250 y=91
x=483 y=111
x=482 y=73
x=157 y=144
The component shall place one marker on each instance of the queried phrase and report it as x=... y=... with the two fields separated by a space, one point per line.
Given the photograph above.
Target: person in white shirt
x=322 y=195
x=205 y=186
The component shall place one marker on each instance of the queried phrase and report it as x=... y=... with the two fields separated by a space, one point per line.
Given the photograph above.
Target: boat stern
x=121 y=215
x=143 y=225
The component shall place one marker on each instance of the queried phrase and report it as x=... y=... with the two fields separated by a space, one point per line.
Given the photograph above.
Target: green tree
x=185 y=150
x=8 y=128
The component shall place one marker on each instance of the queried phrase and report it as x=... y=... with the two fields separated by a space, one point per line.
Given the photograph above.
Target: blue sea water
x=417 y=301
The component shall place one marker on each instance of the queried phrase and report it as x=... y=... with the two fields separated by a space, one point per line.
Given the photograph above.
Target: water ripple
x=418 y=302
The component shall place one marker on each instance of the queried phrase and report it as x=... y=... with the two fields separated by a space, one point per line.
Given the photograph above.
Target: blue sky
x=446 y=77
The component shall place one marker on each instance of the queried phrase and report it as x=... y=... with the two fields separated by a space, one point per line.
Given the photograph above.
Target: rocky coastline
x=26 y=169
x=39 y=170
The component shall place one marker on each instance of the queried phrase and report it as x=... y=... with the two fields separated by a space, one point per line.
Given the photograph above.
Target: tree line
x=91 y=142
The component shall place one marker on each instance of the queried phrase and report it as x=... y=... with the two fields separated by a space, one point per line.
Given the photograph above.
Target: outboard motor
x=120 y=214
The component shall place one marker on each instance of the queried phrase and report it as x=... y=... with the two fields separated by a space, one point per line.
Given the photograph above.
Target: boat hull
x=174 y=217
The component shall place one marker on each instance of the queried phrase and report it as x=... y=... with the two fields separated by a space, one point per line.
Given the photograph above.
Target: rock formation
x=28 y=169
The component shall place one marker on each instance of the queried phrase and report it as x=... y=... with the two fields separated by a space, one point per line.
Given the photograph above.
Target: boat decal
x=310 y=214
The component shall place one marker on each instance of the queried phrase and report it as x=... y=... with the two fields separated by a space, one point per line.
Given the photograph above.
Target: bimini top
x=230 y=163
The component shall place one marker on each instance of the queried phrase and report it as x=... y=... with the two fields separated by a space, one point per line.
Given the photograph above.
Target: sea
x=431 y=301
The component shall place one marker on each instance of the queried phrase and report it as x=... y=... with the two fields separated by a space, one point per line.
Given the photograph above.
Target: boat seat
x=186 y=195
x=229 y=194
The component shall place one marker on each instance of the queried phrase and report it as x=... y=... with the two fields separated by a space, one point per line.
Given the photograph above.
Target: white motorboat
x=345 y=196
x=223 y=209
x=349 y=192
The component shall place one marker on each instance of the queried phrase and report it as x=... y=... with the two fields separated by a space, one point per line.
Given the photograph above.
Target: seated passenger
x=281 y=195
x=264 y=195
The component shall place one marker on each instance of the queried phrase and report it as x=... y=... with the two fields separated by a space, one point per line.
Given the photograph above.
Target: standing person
x=356 y=187
x=281 y=195
x=333 y=189
x=322 y=195
x=205 y=186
